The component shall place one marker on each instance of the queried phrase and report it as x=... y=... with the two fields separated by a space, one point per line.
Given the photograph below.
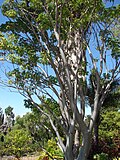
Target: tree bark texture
x=85 y=148
x=96 y=133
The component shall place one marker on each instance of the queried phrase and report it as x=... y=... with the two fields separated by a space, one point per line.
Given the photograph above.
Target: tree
x=111 y=103
x=49 y=43
x=1 y=117
x=25 y=136
x=109 y=134
x=9 y=117
x=1 y=124
x=37 y=126
x=110 y=124
x=6 y=124
x=18 y=143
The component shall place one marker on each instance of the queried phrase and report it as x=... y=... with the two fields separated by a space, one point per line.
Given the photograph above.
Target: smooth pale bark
x=76 y=144
x=69 y=145
x=85 y=148
x=83 y=151
x=69 y=155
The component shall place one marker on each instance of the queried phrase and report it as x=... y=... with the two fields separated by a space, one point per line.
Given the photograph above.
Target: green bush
x=53 y=151
x=101 y=156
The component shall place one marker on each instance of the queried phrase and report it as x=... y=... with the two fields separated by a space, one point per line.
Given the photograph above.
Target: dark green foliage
x=37 y=126
x=109 y=138
x=18 y=143
x=101 y=156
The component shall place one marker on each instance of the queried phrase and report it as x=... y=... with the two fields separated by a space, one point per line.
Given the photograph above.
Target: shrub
x=52 y=150
x=101 y=156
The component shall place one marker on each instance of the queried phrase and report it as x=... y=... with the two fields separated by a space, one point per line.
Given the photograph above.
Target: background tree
x=110 y=124
x=1 y=125
x=1 y=117
x=7 y=123
x=111 y=103
x=17 y=143
x=109 y=134
x=49 y=43
x=9 y=117
x=37 y=125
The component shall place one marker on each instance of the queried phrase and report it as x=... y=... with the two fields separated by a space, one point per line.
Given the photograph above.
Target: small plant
x=101 y=156
x=52 y=151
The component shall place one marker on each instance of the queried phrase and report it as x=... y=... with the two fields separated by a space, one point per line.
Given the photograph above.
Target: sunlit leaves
x=11 y=13
x=110 y=124
x=17 y=142
x=114 y=45
x=53 y=149
x=8 y=42
x=44 y=57
x=44 y=21
x=27 y=79
x=8 y=9
x=112 y=42
x=35 y=4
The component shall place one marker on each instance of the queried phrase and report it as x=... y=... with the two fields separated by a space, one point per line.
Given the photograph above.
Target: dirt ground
x=22 y=158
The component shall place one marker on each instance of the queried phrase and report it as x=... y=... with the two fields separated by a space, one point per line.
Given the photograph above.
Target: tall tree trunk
x=96 y=133
x=69 y=156
x=85 y=148
x=69 y=153
x=76 y=144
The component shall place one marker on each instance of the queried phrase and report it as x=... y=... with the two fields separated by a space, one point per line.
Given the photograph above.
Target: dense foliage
x=109 y=139
x=23 y=139
x=18 y=143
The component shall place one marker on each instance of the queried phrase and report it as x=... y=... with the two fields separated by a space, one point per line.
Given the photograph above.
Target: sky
x=9 y=98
